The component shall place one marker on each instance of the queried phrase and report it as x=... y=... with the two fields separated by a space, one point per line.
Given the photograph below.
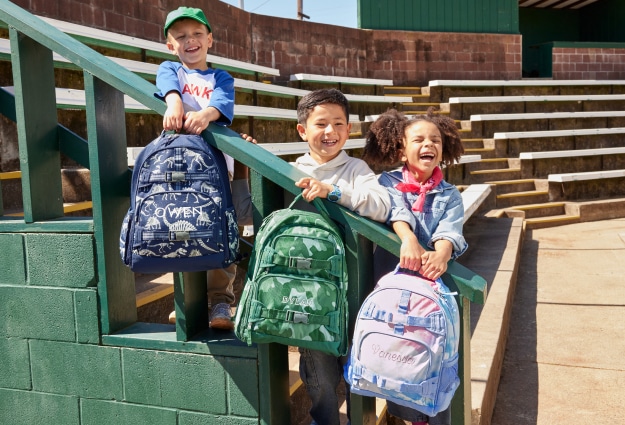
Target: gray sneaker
x=221 y=317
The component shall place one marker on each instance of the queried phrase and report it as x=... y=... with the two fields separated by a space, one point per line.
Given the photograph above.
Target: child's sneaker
x=221 y=317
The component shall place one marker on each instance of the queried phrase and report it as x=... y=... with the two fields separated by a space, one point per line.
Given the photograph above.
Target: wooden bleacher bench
x=148 y=70
x=577 y=153
x=585 y=176
x=523 y=83
x=546 y=115
x=540 y=164
x=512 y=143
x=553 y=98
x=316 y=78
x=485 y=125
x=558 y=133
x=75 y=99
x=463 y=107
x=150 y=48
x=586 y=185
x=442 y=90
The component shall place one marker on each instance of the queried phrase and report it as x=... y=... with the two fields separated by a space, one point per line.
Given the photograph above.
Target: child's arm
x=196 y=121
x=313 y=188
x=434 y=263
x=169 y=91
x=173 y=117
x=411 y=251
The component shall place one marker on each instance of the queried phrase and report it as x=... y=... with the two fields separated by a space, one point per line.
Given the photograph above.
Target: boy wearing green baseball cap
x=197 y=95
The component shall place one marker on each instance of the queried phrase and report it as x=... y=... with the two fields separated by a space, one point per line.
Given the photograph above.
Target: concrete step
x=542 y=210
x=404 y=91
x=421 y=106
x=473 y=143
x=154 y=294
x=489 y=164
x=485 y=153
x=551 y=221
x=484 y=176
x=521 y=198
x=509 y=186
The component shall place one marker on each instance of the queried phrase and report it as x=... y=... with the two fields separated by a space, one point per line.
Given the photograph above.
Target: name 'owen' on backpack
x=181 y=217
x=296 y=290
x=405 y=345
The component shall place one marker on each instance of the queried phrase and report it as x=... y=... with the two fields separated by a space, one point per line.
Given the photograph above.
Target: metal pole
x=300 y=11
x=241 y=5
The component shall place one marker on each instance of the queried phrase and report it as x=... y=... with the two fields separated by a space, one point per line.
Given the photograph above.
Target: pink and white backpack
x=405 y=346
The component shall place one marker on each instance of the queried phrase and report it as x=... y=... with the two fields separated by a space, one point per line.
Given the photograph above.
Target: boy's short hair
x=320 y=97
x=184 y=12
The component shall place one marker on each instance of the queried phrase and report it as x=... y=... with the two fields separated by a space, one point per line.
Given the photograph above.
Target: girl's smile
x=423 y=149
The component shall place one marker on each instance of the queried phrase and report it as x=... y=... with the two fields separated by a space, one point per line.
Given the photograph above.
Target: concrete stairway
x=515 y=196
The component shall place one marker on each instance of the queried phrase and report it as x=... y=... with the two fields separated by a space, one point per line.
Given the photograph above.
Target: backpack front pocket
x=298 y=308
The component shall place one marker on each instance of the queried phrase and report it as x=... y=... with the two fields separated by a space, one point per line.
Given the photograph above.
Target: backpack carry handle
x=441 y=287
x=318 y=204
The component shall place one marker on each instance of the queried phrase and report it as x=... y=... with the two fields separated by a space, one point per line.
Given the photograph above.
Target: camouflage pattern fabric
x=297 y=284
x=181 y=216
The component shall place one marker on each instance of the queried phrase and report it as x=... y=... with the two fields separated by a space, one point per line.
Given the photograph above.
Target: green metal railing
x=42 y=140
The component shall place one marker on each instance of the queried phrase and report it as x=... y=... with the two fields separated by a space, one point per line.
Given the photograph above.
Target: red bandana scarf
x=411 y=185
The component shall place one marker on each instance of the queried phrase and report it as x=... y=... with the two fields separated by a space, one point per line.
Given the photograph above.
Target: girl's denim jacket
x=442 y=216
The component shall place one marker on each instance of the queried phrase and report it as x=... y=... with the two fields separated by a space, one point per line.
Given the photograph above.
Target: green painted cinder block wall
x=55 y=369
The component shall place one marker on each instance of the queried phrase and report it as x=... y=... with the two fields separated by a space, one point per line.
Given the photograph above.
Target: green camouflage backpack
x=296 y=289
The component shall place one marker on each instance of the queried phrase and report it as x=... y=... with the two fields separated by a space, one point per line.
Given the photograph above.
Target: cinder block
x=87 y=325
x=194 y=418
x=15 y=369
x=19 y=407
x=83 y=370
x=101 y=412
x=242 y=375
x=63 y=260
x=179 y=380
x=13 y=270
x=39 y=313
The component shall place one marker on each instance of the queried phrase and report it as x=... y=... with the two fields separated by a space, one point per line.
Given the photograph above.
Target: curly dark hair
x=385 y=138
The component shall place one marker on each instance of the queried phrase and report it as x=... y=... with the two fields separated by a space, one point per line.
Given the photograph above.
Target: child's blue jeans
x=321 y=373
x=408 y=414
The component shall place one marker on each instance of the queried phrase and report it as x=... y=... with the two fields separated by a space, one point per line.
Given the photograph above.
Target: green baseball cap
x=186 y=12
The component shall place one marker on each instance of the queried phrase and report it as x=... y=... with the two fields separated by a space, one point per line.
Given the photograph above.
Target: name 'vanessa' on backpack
x=181 y=216
x=296 y=291
x=405 y=346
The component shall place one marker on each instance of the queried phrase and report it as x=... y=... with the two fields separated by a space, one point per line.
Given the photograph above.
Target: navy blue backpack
x=181 y=217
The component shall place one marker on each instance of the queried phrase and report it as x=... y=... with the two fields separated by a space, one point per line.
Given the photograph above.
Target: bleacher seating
x=541 y=164
x=462 y=108
x=487 y=124
x=334 y=79
x=541 y=141
x=513 y=143
x=587 y=185
x=442 y=90
x=123 y=42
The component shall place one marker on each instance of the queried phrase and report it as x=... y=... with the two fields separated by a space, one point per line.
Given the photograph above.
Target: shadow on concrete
x=517 y=397
x=487 y=238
